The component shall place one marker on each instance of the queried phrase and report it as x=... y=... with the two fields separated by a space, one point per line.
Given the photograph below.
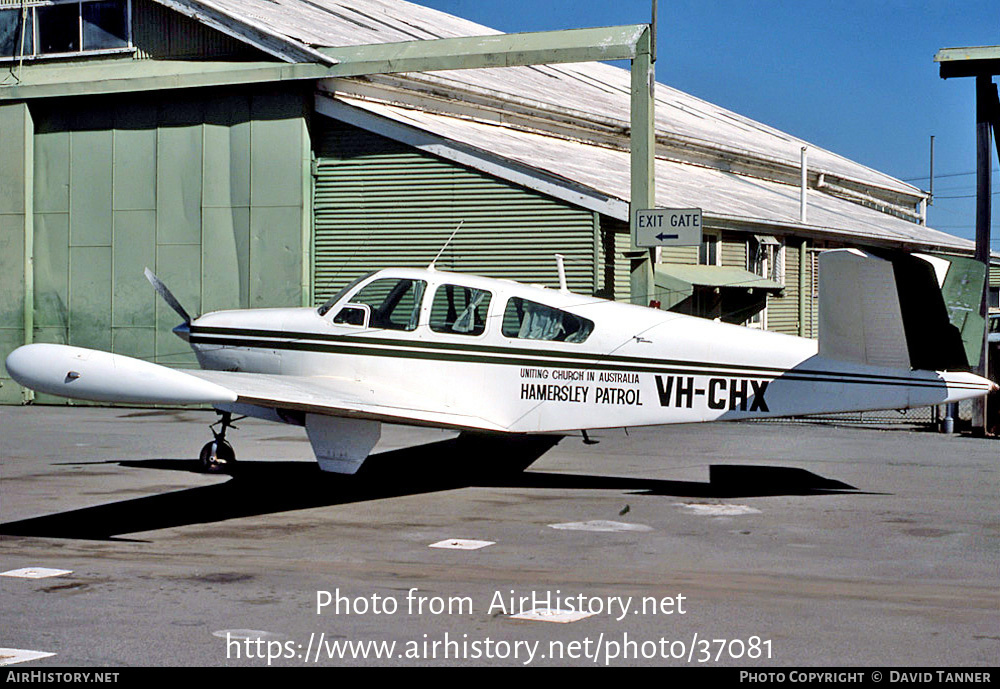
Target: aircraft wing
x=340 y=397
x=90 y=374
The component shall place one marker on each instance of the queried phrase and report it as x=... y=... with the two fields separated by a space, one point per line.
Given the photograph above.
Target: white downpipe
x=804 y=185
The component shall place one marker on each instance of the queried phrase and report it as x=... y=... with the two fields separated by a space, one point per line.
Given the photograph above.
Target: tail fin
x=903 y=311
x=860 y=317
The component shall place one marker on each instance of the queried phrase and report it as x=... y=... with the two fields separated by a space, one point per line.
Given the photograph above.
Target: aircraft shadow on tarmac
x=259 y=487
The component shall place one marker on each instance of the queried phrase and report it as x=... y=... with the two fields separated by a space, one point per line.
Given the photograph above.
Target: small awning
x=712 y=276
x=675 y=282
x=766 y=240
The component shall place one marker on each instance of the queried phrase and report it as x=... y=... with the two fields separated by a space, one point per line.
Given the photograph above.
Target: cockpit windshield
x=340 y=295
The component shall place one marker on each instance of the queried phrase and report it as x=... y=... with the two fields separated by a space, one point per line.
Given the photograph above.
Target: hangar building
x=202 y=138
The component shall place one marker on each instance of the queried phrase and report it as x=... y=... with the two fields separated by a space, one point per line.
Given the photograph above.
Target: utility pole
x=930 y=199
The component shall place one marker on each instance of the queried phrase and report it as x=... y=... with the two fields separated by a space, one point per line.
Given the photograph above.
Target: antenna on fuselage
x=432 y=266
x=561 y=267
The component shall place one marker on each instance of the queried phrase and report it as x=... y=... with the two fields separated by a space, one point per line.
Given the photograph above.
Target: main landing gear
x=218 y=455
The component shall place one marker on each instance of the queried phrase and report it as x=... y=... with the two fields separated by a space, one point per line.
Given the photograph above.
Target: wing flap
x=341 y=397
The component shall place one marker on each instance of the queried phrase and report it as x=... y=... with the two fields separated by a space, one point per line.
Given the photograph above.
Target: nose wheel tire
x=217 y=457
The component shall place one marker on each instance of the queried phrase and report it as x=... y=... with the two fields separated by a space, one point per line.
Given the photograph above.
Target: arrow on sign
x=662 y=236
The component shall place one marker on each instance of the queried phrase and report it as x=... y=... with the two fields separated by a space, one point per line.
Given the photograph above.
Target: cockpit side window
x=528 y=320
x=322 y=311
x=394 y=302
x=459 y=310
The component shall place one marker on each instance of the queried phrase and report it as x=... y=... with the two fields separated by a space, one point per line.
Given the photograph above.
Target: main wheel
x=217 y=456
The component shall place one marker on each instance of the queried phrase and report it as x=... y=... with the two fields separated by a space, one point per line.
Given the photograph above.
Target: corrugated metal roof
x=723 y=195
x=701 y=148
x=594 y=90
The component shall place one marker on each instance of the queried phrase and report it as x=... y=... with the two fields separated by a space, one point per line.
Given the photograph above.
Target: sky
x=854 y=77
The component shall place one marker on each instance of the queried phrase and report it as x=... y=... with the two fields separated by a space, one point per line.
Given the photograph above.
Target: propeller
x=162 y=290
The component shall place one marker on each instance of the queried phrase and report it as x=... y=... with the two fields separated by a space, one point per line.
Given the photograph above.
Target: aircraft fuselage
x=635 y=366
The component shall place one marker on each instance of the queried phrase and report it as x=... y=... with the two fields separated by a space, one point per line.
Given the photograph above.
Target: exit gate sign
x=667 y=227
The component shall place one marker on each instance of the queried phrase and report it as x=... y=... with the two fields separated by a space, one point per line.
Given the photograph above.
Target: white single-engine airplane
x=448 y=350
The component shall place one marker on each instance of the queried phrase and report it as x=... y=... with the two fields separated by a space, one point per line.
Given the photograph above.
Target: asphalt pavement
x=746 y=544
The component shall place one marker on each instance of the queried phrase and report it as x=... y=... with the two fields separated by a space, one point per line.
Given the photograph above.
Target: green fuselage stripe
x=486 y=354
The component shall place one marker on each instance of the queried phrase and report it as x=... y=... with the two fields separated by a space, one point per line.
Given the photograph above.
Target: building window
x=38 y=30
x=58 y=29
x=708 y=253
x=105 y=24
x=16 y=32
x=766 y=257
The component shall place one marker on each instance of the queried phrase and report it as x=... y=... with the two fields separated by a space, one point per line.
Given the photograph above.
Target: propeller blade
x=162 y=290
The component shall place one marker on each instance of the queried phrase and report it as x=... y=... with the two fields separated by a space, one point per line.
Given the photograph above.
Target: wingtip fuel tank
x=98 y=376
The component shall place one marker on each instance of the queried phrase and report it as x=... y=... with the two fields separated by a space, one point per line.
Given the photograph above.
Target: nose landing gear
x=218 y=456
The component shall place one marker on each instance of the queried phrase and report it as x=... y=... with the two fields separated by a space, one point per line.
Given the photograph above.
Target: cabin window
x=459 y=310
x=32 y=30
x=394 y=302
x=528 y=320
x=353 y=314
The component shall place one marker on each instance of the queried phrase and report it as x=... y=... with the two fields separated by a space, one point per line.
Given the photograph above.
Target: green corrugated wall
x=209 y=190
x=16 y=225
x=685 y=255
x=381 y=204
x=733 y=250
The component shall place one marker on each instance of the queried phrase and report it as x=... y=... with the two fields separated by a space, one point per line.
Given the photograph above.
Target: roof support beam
x=631 y=42
x=642 y=144
x=968 y=62
x=986 y=107
x=982 y=62
x=54 y=80
x=475 y=52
